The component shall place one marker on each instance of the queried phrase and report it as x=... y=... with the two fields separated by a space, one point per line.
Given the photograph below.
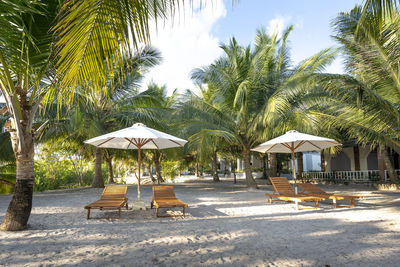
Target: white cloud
x=186 y=42
x=278 y=24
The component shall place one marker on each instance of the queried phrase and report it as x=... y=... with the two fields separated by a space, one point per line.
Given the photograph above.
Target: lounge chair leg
x=119 y=213
x=156 y=212
x=183 y=211
x=270 y=200
x=316 y=204
x=352 y=202
x=88 y=214
x=335 y=203
x=297 y=205
x=151 y=204
x=127 y=205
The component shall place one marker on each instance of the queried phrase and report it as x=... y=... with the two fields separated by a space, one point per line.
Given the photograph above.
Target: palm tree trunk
x=98 y=179
x=151 y=173
x=273 y=163
x=157 y=163
x=264 y=160
x=215 y=167
x=20 y=207
x=250 y=182
x=110 y=169
x=233 y=170
x=197 y=169
x=389 y=167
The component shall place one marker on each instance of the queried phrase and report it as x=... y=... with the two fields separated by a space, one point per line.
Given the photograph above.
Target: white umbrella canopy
x=293 y=141
x=139 y=136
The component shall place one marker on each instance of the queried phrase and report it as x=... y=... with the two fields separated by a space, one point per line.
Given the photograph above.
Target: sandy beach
x=226 y=225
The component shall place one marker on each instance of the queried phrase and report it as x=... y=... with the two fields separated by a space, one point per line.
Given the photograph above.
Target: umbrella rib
x=175 y=142
x=269 y=148
x=314 y=145
x=287 y=146
x=130 y=142
x=147 y=140
x=111 y=138
x=300 y=144
x=155 y=144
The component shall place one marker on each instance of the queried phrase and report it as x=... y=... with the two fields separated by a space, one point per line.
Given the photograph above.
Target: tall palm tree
x=249 y=88
x=116 y=106
x=165 y=122
x=26 y=75
x=366 y=101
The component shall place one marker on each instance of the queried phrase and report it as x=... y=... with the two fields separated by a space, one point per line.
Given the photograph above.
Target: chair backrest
x=282 y=186
x=311 y=188
x=114 y=191
x=163 y=192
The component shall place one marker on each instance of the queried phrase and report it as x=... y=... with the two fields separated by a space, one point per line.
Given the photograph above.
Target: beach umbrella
x=139 y=137
x=293 y=141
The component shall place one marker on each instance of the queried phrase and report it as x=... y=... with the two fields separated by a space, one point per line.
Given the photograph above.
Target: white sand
x=226 y=225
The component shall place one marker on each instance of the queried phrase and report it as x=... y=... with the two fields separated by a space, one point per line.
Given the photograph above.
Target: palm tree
x=165 y=106
x=249 y=89
x=118 y=105
x=379 y=9
x=366 y=102
x=26 y=75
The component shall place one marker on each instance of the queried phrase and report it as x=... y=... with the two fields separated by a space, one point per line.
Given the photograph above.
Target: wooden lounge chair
x=284 y=191
x=112 y=198
x=164 y=197
x=311 y=189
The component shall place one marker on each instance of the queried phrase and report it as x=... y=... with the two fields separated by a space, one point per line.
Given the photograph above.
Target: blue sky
x=192 y=39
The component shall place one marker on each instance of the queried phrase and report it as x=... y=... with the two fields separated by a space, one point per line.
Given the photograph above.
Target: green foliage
x=171 y=168
x=58 y=175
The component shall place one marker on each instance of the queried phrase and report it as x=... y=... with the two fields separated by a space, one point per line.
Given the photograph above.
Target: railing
x=354 y=176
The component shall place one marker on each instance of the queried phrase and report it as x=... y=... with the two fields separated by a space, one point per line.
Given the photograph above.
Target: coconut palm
x=379 y=9
x=366 y=101
x=95 y=113
x=250 y=88
x=165 y=122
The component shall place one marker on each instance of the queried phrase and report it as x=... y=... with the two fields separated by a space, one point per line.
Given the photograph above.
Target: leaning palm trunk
x=215 y=167
x=98 y=179
x=250 y=182
x=20 y=207
x=389 y=167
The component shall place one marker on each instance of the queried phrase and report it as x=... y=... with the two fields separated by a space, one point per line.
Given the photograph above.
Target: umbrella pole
x=138 y=187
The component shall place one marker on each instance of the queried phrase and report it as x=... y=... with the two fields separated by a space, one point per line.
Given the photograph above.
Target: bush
x=58 y=175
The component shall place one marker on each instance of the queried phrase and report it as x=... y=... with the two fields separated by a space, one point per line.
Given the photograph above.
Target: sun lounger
x=284 y=191
x=112 y=198
x=164 y=197
x=311 y=189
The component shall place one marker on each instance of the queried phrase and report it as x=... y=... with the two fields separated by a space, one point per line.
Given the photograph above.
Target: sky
x=191 y=39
